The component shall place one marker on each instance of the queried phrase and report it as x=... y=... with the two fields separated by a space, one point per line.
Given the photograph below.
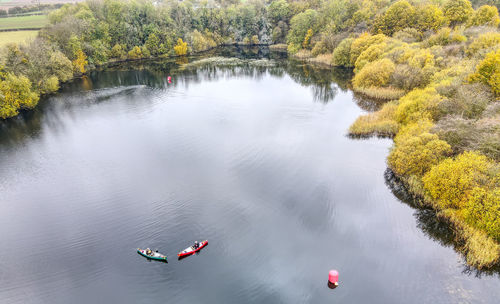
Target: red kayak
x=191 y=250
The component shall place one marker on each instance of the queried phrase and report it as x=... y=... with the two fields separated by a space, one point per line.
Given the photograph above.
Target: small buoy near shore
x=333 y=278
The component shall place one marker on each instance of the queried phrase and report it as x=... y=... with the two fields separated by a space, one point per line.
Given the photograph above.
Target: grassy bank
x=16 y=37
x=22 y=22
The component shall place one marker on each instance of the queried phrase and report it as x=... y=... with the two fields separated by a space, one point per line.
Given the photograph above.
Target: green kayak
x=150 y=254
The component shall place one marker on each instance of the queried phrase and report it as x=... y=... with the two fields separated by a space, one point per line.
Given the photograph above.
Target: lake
x=250 y=153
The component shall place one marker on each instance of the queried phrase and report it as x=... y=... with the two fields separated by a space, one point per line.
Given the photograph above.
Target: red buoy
x=333 y=277
x=169 y=78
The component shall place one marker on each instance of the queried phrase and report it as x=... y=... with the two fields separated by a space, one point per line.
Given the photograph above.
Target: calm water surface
x=253 y=157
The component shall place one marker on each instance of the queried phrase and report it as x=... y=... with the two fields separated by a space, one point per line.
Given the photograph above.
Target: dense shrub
x=363 y=42
x=135 y=53
x=488 y=72
x=445 y=36
x=118 y=52
x=419 y=104
x=457 y=11
x=483 y=210
x=398 y=16
x=15 y=94
x=407 y=77
x=416 y=154
x=485 y=15
x=200 y=42
x=451 y=182
x=377 y=73
x=302 y=25
x=342 y=53
x=408 y=35
x=469 y=101
x=429 y=17
x=483 y=44
x=372 y=53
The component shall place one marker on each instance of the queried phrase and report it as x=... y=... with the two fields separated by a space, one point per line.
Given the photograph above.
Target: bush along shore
x=434 y=64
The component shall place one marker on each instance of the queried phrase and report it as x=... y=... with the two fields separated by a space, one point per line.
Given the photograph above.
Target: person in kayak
x=148 y=251
x=196 y=245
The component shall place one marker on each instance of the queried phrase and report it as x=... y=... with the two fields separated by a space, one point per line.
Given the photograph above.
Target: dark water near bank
x=253 y=157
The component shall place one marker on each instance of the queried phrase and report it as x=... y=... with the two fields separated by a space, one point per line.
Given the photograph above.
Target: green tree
x=278 y=10
x=153 y=45
x=300 y=24
x=60 y=66
x=342 y=53
x=118 y=52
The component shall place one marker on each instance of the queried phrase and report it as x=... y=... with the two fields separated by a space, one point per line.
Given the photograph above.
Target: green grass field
x=23 y=22
x=16 y=36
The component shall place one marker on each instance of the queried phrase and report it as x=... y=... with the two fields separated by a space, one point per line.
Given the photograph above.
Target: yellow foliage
x=483 y=210
x=80 y=62
x=371 y=54
x=417 y=105
x=480 y=250
x=485 y=15
x=488 y=72
x=429 y=17
x=415 y=154
x=49 y=85
x=363 y=42
x=135 y=53
x=374 y=74
x=486 y=41
x=255 y=39
x=457 y=11
x=451 y=182
x=398 y=16
x=421 y=58
x=15 y=94
x=181 y=47
x=307 y=39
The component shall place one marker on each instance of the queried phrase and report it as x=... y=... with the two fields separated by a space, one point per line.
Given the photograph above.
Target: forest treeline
x=436 y=63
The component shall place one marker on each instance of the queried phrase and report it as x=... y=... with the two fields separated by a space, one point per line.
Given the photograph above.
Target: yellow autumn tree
x=181 y=47
x=80 y=62
x=307 y=39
